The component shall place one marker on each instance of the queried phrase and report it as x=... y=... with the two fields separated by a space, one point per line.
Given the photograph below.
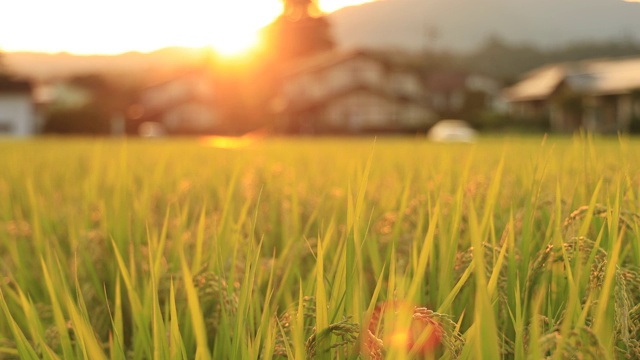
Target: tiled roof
x=614 y=77
x=537 y=85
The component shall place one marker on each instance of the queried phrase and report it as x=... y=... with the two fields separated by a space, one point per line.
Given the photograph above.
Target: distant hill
x=464 y=24
x=42 y=66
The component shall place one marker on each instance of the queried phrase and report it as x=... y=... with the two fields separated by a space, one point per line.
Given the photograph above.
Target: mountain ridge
x=463 y=25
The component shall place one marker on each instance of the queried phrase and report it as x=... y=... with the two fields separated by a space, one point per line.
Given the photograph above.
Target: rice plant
x=391 y=248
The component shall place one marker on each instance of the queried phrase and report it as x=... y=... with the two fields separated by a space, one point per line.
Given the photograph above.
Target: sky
x=116 y=26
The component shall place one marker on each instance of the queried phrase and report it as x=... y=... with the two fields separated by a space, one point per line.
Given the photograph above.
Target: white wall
x=17 y=115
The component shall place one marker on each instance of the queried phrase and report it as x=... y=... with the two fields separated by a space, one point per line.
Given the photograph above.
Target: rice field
x=330 y=248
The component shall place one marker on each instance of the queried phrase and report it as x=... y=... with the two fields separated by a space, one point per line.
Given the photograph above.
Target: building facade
x=18 y=115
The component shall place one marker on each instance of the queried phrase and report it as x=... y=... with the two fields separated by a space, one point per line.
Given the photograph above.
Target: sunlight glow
x=329 y=6
x=235 y=29
x=87 y=27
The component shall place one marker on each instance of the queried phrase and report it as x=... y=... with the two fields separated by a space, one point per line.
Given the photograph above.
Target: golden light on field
x=82 y=27
x=233 y=142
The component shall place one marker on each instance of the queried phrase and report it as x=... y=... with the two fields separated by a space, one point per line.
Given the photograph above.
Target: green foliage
x=86 y=104
x=88 y=119
x=507 y=60
x=320 y=248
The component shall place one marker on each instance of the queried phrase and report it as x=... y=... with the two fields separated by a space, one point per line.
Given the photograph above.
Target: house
x=18 y=116
x=352 y=92
x=597 y=95
x=184 y=104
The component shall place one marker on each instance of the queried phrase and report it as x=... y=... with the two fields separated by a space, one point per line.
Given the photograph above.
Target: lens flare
x=400 y=329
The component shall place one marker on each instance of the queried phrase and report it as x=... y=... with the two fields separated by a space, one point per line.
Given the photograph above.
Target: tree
x=299 y=32
x=507 y=60
x=105 y=98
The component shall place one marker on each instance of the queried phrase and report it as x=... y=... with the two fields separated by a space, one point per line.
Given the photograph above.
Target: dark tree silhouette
x=299 y=8
x=299 y=32
x=507 y=60
x=107 y=98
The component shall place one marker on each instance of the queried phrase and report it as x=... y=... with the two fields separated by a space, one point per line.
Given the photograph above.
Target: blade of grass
x=486 y=331
x=202 y=348
x=25 y=350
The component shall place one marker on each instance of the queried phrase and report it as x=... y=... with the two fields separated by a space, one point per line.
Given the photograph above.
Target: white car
x=452 y=131
x=151 y=129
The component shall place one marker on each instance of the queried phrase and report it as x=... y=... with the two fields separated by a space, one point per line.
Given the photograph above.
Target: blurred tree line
x=507 y=61
x=90 y=105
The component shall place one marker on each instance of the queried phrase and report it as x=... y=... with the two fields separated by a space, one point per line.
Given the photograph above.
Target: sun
x=236 y=45
x=235 y=26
